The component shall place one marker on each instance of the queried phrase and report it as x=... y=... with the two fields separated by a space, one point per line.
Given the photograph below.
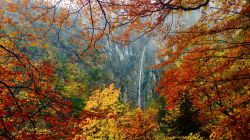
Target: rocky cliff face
x=127 y=66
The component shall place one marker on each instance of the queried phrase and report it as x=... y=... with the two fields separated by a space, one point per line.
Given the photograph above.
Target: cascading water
x=140 y=77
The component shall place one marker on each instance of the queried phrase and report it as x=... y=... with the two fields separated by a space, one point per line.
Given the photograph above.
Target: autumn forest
x=124 y=69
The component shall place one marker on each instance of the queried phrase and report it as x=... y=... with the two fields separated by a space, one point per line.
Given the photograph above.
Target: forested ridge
x=124 y=69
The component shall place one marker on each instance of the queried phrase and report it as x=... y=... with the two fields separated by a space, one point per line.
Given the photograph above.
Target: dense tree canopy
x=51 y=69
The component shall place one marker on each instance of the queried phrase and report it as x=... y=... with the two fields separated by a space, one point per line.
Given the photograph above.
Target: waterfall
x=140 y=77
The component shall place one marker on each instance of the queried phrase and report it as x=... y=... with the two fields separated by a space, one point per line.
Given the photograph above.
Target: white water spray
x=140 y=77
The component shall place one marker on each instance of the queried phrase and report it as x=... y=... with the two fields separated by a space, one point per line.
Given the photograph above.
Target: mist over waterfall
x=126 y=66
